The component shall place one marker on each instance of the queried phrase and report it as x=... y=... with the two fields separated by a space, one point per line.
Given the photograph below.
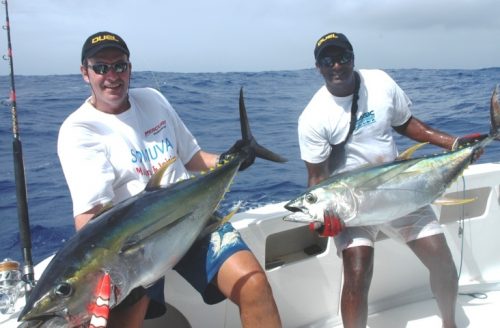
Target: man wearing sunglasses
x=347 y=124
x=109 y=148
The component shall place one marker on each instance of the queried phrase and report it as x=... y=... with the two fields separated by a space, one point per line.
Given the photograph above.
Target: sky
x=253 y=35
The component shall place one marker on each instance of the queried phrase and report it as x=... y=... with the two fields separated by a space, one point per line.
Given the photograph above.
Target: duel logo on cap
x=331 y=40
x=102 y=40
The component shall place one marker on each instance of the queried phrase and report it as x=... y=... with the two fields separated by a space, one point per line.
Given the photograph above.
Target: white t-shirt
x=325 y=121
x=108 y=158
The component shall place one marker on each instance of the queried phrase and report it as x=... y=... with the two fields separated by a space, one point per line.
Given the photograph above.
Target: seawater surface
x=456 y=101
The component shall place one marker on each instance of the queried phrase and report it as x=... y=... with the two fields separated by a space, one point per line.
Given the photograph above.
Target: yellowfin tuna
x=377 y=194
x=134 y=242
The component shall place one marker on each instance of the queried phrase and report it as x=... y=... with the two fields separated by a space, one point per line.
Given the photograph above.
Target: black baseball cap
x=102 y=40
x=332 y=39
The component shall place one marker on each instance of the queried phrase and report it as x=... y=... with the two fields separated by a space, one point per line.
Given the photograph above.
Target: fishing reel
x=11 y=284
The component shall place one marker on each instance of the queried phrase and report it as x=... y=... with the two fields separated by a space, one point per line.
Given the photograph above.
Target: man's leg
x=243 y=281
x=358 y=271
x=434 y=253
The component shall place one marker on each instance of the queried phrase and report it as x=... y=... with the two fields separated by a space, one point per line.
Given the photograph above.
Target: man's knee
x=358 y=267
x=252 y=287
x=258 y=281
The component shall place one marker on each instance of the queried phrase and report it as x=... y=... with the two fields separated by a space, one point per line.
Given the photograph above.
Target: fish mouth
x=29 y=318
x=299 y=214
x=293 y=208
x=298 y=217
x=49 y=321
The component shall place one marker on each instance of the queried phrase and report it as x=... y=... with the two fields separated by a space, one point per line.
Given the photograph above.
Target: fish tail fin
x=495 y=114
x=494 y=133
x=248 y=138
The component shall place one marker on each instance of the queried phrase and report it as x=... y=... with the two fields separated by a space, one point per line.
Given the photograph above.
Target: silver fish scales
x=377 y=194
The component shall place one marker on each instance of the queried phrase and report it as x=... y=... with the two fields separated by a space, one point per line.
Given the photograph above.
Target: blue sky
x=254 y=35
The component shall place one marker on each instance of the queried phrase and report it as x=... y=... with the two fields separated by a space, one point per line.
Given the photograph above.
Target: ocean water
x=456 y=101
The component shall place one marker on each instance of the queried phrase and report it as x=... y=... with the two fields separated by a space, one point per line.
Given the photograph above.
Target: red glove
x=330 y=227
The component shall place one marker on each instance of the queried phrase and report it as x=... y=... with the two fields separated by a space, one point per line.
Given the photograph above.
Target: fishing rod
x=21 y=194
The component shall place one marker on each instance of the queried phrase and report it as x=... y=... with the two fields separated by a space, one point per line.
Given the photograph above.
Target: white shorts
x=419 y=224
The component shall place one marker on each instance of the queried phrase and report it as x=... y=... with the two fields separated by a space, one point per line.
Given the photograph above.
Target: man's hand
x=330 y=227
x=239 y=146
x=467 y=140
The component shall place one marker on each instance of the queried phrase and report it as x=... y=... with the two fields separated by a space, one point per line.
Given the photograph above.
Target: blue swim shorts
x=204 y=259
x=199 y=267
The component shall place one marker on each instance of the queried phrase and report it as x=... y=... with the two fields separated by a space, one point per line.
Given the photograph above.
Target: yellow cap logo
x=105 y=37
x=326 y=38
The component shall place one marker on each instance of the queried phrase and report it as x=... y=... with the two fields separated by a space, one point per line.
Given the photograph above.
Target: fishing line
x=156 y=81
x=20 y=179
x=461 y=232
x=461 y=227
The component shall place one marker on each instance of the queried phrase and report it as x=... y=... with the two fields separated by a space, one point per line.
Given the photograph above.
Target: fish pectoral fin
x=218 y=221
x=135 y=242
x=154 y=182
x=408 y=153
x=453 y=201
x=228 y=217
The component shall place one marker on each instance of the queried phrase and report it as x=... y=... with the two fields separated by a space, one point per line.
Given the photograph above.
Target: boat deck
x=482 y=307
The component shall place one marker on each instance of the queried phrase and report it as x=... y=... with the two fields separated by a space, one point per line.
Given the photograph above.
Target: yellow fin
x=453 y=201
x=155 y=180
x=230 y=215
x=407 y=154
x=218 y=221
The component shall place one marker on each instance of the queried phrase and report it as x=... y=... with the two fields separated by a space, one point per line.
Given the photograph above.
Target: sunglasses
x=102 y=69
x=342 y=59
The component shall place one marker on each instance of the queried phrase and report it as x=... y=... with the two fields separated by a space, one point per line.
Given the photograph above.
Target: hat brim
x=323 y=47
x=336 y=45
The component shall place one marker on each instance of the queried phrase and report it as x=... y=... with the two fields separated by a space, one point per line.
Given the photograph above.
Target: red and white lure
x=100 y=308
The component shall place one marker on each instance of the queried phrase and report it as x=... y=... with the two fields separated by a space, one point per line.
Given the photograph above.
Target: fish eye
x=311 y=198
x=63 y=289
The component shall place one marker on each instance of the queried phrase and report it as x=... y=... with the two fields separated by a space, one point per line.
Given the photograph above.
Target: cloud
x=258 y=35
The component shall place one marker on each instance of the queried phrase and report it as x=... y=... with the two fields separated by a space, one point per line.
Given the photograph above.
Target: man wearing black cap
x=110 y=147
x=347 y=124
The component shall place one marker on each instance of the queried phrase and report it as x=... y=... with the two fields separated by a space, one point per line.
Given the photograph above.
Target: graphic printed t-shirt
x=325 y=121
x=108 y=158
